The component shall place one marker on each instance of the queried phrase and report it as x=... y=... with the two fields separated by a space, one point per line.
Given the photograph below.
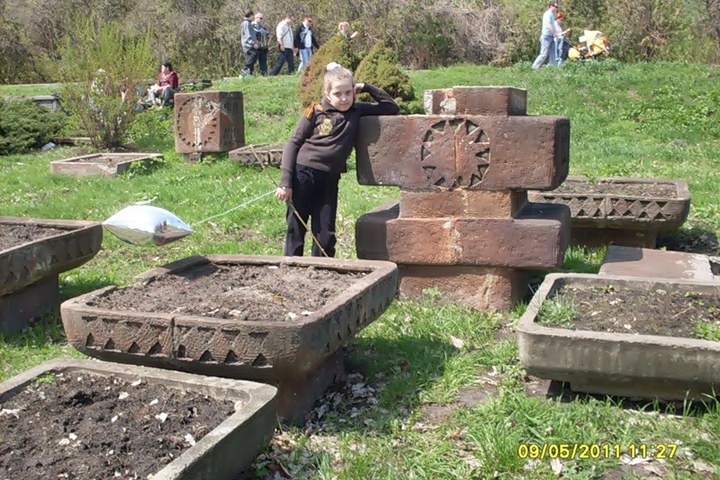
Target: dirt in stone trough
x=12 y=235
x=242 y=292
x=626 y=308
x=82 y=426
x=641 y=189
x=109 y=160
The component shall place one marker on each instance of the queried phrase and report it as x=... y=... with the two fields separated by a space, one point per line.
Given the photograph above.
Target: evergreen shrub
x=25 y=125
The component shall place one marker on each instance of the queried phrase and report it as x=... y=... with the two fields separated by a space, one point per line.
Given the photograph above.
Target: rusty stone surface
x=275 y=351
x=225 y=451
x=19 y=308
x=485 y=153
x=536 y=238
x=262 y=154
x=595 y=209
x=26 y=264
x=630 y=364
x=461 y=203
x=476 y=101
x=209 y=121
x=599 y=237
x=645 y=262
x=105 y=164
x=482 y=288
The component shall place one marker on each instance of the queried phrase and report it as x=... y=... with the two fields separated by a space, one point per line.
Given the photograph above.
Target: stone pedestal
x=208 y=122
x=463 y=224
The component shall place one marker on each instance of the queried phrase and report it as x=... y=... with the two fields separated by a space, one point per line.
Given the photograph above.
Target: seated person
x=166 y=86
x=344 y=30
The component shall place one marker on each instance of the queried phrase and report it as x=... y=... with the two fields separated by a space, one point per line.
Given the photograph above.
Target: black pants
x=314 y=195
x=286 y=56
x=253 y=55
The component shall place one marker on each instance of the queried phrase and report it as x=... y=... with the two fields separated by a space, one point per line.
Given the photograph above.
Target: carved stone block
x=476 y=101
x=209 y=122
x=474 y=152
x=461 y=203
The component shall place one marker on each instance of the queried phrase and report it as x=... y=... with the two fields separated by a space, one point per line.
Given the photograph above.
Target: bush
x=338 y=50
x=25 y=125
x=380 y=68
x=103 y=68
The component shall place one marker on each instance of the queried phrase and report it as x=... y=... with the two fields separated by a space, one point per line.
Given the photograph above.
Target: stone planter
x=106 y=164
x=302 y=357
x=630 y=364
x=29 y=272
x=262 y=154
x=220 y=454
x=621 y=211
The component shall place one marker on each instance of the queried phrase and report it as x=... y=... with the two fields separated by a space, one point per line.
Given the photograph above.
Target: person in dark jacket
x=317 y=154
x=305 y=41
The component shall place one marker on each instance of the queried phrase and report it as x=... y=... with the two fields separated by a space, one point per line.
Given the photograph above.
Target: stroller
x=592 y=44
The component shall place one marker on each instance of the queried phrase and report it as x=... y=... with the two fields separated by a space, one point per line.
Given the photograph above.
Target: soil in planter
x=242 y=292
x=621 y=189
x=82 y=426
x=626 y=308
x=12 y=235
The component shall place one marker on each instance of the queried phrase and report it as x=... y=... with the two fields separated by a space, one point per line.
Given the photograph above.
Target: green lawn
x=443 y=394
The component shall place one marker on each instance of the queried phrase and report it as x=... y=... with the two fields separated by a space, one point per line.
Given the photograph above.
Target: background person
x=286 y=44
x=344 y=30
x=305 y=41
x=248 y=42
x=167 y=85
x=547 y=36
x=560 y=55
x=317 y=154
x=262 y=39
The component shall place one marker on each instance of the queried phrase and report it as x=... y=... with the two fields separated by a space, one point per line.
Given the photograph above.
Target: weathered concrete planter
x=106 y=164
x=619 y=363
x=29 y=272
x=262 y=154
x=223 y=452
x=618 y=210
x=302 y=357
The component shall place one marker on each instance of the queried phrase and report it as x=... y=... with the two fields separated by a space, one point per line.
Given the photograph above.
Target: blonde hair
x=335 y=71
x=343 y=24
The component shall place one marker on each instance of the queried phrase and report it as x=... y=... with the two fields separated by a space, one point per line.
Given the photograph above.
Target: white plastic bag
x=145 y=224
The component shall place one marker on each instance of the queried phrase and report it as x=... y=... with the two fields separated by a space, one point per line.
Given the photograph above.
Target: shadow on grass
x=561 y=391
x=696 y=239
x=44 y=332
x=71 y=288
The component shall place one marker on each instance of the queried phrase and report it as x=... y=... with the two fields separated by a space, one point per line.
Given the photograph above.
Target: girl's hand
x=359 y=87
x=283 y=193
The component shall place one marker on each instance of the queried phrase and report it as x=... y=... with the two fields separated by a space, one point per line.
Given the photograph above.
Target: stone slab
x=536 y=238
x=25 y=264
x=627 y=364
x=274 y=351
x=481 y=288
x=209 y=121
x=19 y=308
x=419 y=152
x=461 y=203
x=645 y=262
x=476 y=101
x=262 y=154
x=105 y=164
x=592 y=208
x=222 y=453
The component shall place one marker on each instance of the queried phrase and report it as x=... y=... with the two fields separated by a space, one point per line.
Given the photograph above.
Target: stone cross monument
x=463 y=224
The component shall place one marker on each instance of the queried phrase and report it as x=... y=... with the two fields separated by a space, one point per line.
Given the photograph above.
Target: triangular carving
x=181 y=352
x=260 y=361
x=231 y=357
x=90 y=340
x=134 y=348
x=155 y=349
x=109 y=345
x=206 y=356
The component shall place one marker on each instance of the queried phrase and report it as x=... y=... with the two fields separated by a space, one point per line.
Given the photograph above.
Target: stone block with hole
x=208 y=121
x=105 y=164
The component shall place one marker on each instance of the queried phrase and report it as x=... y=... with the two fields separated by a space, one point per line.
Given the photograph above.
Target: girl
x=317 y=154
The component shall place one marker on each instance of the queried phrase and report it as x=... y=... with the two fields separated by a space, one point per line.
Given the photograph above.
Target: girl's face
x=341 y=94
x=163 y=69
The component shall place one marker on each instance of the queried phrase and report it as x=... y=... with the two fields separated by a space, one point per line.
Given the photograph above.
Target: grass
x=648 y=120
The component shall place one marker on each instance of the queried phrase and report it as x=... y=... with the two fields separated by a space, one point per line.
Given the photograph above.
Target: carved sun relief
x=455 y=153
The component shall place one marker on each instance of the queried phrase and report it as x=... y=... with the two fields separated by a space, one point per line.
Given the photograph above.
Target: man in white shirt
x=547 y=36
x=305 y=41
x=286 y=45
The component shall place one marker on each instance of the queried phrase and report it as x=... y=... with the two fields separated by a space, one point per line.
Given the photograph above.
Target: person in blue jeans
x=305 y=41
x=547 y=36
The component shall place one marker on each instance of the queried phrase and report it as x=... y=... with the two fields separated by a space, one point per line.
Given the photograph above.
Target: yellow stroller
x=592 y=44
